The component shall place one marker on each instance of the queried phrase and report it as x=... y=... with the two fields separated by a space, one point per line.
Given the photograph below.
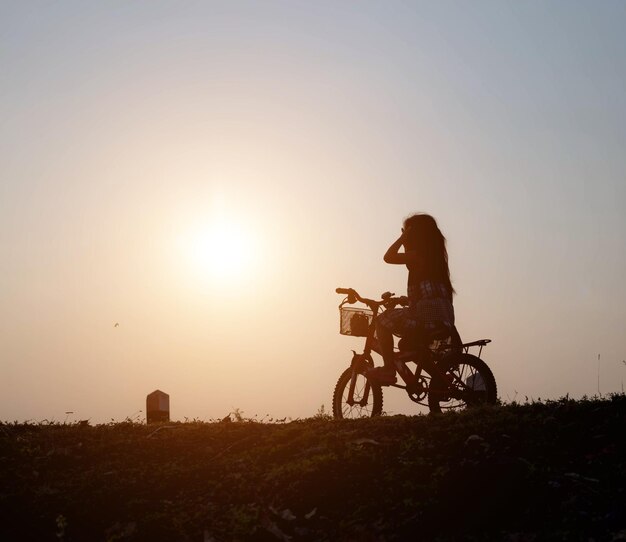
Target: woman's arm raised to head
x=393 y=256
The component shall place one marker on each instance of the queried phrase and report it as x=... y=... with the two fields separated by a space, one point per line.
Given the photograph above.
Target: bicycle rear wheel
x=471 y=384
x=367 y=398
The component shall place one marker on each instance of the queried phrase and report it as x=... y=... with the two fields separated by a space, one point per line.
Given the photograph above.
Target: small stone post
x=157 y=407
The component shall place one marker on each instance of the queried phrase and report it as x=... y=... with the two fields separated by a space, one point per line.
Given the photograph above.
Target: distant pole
x=598 y=375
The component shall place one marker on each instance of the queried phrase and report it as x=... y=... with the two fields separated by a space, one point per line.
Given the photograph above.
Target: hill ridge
x=552 y=470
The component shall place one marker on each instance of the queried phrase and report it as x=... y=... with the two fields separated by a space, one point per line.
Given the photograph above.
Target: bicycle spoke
x=355 y=396
x=356 y=410
x=467 y=382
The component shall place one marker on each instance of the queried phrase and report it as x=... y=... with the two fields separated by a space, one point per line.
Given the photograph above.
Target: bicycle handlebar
x=345 y=291
x=388 y=301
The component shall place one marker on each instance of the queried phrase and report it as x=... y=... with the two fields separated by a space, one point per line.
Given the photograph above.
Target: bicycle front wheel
x=366 y=400
x=471 y=383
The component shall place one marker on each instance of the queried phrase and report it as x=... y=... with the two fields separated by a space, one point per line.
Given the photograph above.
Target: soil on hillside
x=532 y=472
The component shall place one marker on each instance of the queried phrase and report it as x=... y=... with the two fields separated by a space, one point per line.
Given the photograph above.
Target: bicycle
x=446 y=377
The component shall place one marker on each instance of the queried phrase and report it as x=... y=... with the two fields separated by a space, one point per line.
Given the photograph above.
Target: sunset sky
x=206 y=174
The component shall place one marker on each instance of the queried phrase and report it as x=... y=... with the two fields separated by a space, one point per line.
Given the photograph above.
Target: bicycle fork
x=359 y=365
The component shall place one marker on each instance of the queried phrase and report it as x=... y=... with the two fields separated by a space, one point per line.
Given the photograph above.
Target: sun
x=221 y=249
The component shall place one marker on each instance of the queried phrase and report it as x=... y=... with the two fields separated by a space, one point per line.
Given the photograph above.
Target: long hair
x=424 y=236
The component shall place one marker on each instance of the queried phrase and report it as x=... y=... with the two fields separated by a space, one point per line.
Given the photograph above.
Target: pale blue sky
x=318 y=126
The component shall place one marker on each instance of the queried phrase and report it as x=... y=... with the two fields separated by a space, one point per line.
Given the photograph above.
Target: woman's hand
x=393 y=254
x=405 y=234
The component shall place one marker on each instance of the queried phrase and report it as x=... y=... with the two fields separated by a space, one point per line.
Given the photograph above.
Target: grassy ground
x=532 y=472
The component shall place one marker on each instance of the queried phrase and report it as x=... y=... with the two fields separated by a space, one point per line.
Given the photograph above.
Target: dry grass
x=537 y=471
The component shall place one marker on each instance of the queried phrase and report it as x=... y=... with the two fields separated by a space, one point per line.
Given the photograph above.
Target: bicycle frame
x=424 y=358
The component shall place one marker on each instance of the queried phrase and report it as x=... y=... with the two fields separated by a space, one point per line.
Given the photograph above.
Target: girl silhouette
x=429 y=291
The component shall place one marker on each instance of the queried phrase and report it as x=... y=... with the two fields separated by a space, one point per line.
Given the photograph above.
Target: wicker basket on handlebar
x=354 y=321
